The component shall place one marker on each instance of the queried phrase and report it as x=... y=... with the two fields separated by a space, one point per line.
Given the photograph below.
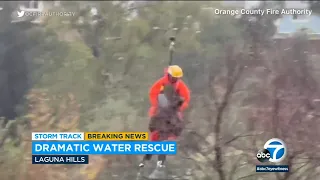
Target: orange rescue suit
x=181 y=88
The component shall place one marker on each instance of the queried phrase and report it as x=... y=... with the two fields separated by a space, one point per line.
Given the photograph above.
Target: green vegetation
x=76 y=74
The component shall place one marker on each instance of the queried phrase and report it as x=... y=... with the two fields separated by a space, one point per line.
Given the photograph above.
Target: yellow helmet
x=175 y=71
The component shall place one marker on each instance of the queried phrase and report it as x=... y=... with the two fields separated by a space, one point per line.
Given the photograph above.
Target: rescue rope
x=171 y=49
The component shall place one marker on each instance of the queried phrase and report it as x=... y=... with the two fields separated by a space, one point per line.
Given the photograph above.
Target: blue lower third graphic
x=103 y=147
x=60 y=159
x=272 y=168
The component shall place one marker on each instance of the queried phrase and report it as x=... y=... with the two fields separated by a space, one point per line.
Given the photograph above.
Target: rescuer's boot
x=141 y=164
x=146 y=157
x=161 y=160
x=160 y=164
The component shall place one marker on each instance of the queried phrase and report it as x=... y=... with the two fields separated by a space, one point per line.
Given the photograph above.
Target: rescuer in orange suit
x=173 y=75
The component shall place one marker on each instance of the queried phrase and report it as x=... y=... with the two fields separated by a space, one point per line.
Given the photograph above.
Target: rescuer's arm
x=154 y=92
x=185 y=93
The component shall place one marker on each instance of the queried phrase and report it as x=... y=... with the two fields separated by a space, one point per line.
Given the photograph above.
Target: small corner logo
x=20 y=13
x=275 y=151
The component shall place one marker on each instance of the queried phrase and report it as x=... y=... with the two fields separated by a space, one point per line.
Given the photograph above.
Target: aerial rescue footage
x=159 y=90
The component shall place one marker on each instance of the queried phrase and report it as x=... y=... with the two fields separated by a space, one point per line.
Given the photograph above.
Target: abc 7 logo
x=263 y=155
x=274 y=151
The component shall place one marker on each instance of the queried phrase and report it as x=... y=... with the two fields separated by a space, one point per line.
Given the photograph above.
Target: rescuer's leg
x=146 y=157
x=161 y=160
x=153 y=136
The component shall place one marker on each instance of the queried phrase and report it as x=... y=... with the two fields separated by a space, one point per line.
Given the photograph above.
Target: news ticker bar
x=90 y=136
x=60 y=159
x=272 y=168
x=103 y=147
